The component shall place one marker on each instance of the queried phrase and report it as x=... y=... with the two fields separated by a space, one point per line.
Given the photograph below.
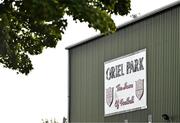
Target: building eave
x=152 y=13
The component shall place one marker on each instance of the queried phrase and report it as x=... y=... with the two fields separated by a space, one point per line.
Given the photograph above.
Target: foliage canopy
x=29 y=26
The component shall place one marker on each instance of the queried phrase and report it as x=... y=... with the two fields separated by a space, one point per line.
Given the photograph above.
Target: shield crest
x=139 y=88
x=109 y=96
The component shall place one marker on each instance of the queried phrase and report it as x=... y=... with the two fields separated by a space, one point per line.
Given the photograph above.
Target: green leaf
x=29 y=26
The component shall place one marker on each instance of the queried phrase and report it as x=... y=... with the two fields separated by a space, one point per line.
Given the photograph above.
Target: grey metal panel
x=159 y=34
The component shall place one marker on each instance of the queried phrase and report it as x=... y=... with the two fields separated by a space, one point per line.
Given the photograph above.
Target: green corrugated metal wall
x=160 y=35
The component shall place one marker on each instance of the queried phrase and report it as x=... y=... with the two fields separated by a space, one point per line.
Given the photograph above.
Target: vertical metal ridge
x=160 y=35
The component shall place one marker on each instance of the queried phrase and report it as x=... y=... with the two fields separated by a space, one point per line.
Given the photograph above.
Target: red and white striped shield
x=109 y=96
x=139 y=88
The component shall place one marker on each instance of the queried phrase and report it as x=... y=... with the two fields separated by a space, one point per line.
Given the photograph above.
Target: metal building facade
x=159 y=33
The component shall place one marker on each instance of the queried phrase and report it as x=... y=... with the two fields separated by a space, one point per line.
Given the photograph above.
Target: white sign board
x=125 y=83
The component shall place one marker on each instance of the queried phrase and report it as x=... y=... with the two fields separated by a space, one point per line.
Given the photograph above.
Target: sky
x=43 y=93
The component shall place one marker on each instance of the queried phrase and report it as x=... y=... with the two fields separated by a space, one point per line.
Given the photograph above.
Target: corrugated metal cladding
x=160 y=35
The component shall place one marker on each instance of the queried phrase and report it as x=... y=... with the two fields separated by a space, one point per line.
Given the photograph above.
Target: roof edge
x=128 y=23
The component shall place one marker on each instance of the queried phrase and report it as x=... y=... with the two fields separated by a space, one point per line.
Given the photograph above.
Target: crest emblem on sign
x=139 y=88
x=109 y=96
